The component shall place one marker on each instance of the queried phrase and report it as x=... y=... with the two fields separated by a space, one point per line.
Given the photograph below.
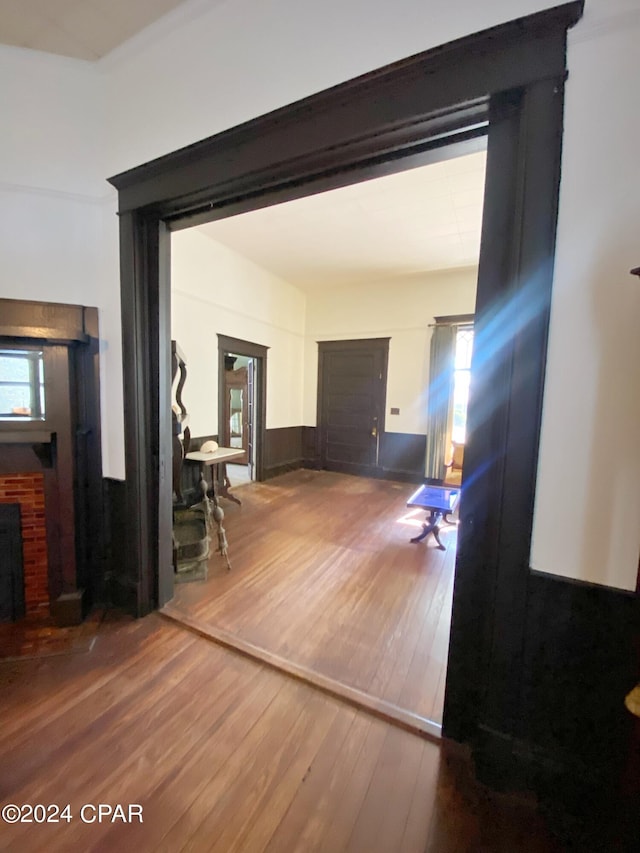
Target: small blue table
x=438 y=501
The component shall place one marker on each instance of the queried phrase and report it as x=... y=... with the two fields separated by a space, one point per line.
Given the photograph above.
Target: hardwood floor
x=224 y=754
x=325 y=581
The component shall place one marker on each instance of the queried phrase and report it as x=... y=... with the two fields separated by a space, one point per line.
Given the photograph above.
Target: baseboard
x=282 y=468
x=578 y=799
x=311 y=464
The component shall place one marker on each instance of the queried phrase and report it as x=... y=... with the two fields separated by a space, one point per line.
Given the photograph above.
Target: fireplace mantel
x=19 y=436
x=62 y=448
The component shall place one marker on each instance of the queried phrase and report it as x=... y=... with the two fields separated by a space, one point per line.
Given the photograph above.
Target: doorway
x=347 y=533
x=507 y=81
x=242 y=402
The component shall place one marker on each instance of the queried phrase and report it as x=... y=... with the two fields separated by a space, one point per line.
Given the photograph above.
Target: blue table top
x=439 y=498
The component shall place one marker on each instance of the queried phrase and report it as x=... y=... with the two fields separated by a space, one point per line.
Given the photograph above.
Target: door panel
x=351 y=400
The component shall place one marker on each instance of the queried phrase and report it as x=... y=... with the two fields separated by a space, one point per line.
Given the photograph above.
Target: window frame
x=36 y=384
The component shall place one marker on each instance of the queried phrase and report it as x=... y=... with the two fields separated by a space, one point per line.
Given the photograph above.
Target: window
x=21 y=385
x=461 y=378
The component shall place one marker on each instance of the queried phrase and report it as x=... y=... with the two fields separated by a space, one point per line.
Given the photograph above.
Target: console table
x=217 y=461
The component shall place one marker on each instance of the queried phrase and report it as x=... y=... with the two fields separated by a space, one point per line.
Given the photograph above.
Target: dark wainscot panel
x=283 y=450
x=573 y=734
x=402 y=456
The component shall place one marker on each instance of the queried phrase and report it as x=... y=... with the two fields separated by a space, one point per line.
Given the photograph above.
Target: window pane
x=13 y=369
x=460 y=401
x=464 y=348
x=21 y=385
x=15 y=399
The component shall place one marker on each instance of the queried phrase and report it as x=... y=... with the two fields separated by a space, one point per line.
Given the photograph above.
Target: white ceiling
x=83 y=29
x=417 y=221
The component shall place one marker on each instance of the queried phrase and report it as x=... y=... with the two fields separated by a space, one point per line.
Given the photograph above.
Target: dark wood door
x=352 y=379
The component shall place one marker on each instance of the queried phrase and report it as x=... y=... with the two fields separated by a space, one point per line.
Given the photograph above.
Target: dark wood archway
x=508 y=83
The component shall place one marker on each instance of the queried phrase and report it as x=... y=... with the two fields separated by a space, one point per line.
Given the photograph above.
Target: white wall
x=58 y=229
x=216 y=64
x=215 y=290
x=591 y=423
x=401 y=309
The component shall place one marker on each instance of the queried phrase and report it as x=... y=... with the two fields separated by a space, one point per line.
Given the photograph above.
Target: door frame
x=354 y=345
x=259 y=352
x=506 y=82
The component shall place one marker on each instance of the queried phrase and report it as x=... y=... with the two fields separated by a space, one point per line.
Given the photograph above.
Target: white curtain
x=441 y=367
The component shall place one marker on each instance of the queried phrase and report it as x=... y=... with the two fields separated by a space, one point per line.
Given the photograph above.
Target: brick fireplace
x=27 y=490
x=50 y=461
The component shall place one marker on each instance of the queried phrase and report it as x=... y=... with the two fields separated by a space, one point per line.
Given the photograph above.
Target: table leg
x=431 y=526
x=224 y=484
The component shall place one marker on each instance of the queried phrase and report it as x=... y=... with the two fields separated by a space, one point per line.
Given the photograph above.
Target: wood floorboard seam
x=380 y=708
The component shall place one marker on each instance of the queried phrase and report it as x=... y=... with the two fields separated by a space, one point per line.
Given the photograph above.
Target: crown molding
x=62 y=195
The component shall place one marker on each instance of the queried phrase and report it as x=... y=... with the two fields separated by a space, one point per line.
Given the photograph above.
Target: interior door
x=352 y=379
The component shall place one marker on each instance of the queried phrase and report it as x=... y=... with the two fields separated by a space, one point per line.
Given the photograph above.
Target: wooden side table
x=217 y=461
x=438 y=501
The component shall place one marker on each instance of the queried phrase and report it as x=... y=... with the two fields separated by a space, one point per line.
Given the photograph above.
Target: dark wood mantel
x=65 y=446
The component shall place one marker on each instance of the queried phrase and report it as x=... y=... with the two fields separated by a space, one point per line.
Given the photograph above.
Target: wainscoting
x=570 y=738
x=401 y=457
x=283 y=450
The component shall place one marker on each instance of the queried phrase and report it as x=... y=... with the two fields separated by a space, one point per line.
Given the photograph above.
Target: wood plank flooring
x=324 y=577
x=224 y=754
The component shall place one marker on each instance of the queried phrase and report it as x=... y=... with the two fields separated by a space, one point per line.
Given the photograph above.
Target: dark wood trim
x=251 y=350
x=58 y=368
x=462 y=73
x=511 y=76
x=26 y=435
x=44 y=321
x=241 y=347
x=496 y=513
x=455 y=319
x=636 y=271
x=354 y=344
x=586 y=585
x=458 y=144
